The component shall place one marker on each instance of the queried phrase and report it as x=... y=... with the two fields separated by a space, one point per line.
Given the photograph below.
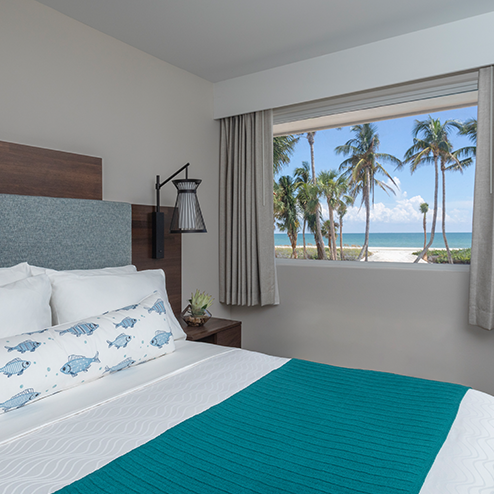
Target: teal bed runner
x=303 y=428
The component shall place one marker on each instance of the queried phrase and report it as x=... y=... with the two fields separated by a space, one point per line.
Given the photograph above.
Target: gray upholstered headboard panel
x=64 y=233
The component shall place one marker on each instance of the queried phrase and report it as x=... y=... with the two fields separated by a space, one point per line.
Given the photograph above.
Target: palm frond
x=283 y=148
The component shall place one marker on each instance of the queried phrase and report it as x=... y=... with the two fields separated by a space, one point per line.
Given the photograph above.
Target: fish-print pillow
x=37 y=364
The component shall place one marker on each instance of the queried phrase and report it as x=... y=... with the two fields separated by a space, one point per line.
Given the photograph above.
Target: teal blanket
x=303 y=428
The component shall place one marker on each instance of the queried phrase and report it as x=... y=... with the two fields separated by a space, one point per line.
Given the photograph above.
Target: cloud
x=403 y=211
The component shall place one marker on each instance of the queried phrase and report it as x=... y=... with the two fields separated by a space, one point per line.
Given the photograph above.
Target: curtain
x=247 y=261
x=481 y=308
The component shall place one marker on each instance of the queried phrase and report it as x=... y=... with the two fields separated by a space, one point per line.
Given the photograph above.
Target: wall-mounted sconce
x=187 y=216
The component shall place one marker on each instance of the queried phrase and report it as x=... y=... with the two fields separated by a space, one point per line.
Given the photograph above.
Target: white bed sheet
x=465 y=463
x=78 y=399
x=94 y=428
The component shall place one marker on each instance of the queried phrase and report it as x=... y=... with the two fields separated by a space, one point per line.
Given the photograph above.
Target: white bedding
x=56 y=441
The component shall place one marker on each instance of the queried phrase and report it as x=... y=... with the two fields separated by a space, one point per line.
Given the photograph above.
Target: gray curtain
x=481 y=310
x=247 y=263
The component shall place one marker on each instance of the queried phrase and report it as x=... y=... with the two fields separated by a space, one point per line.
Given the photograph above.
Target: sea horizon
x=456 y=240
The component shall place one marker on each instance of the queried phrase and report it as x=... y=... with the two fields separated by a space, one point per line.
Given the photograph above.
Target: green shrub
x=349 y=253
x=460 y=256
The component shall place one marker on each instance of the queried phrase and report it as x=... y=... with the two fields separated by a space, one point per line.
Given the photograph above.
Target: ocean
x=414 y=240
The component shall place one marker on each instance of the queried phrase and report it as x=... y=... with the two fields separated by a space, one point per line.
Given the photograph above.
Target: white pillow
x=75 y=297
x=84 y=272
x=15 y=273
x=25 y=306
x=38 y=364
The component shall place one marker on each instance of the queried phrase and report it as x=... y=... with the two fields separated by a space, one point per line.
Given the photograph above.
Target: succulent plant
x=200 y=302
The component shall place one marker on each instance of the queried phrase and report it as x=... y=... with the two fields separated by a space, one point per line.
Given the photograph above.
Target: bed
x=202 y=418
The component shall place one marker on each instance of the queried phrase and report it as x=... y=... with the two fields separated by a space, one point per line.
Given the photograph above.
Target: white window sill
x=371 y=265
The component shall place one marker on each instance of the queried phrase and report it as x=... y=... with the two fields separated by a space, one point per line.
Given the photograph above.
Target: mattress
x=58 y=440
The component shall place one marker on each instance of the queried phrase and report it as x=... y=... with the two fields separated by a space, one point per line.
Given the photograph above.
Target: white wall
x=397 y=318
x=440 y=50
x=66 y=86
x=403 y=319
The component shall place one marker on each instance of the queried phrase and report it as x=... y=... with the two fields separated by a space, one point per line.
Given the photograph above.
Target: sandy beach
x=393 y=254
x=386 y=254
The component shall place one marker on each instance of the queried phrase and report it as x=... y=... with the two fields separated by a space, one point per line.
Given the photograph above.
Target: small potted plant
x=196 y=313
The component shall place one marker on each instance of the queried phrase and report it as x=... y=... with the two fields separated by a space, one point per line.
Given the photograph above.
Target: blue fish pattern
x=161 y=338
x=128 y=322
x=25 y=346
x=122 y=365
x=37 y=332
x=120 y=341
x=19 y=400
x=87 y=328
x=159 y=307
x=15 y=367
x=78 y=363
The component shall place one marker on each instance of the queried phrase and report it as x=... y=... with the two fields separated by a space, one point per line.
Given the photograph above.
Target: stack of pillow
x=62 y=328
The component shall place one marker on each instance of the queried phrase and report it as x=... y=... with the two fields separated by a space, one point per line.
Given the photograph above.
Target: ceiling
x=222 y=39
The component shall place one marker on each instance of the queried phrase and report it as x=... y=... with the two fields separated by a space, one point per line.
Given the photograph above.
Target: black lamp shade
x=187 y=216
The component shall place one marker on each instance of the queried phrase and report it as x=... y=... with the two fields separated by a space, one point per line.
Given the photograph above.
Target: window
x=399 y=201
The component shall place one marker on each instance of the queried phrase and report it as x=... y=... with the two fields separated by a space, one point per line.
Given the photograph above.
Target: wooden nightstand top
x=216 y=330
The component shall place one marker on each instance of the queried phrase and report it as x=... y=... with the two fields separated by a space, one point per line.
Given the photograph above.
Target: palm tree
x=326 y=232
x=432 y=147
x=424 y=209
x=285 y=210
x=283 y=147
x=469 y=129
x=306 y=198
x=321 y=252
x=361 y=168
x=333 y=187
x=342 y=209
x=456 y=165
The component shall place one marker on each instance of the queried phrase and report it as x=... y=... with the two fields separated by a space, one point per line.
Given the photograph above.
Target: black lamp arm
x=159 y=185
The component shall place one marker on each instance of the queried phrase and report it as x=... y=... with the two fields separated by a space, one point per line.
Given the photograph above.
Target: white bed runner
x=465 y=463
x=52 y=456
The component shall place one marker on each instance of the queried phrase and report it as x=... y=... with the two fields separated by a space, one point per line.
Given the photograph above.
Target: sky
x=398 y=212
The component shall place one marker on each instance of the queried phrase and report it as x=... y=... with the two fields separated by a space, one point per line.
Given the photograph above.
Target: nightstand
x=224 y=332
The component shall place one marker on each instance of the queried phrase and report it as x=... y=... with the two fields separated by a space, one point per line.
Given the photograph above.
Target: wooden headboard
x=33 y=171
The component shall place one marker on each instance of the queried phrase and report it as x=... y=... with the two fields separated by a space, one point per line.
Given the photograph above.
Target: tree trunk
x=321 y=253
x=293 y=242
x=303 y=236
x=434 y=216
x=332 y=232
x=450 y=260
x=341 y=238
x=425 y=235
x=365 y=248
